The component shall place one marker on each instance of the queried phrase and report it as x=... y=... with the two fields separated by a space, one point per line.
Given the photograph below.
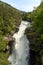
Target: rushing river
x=20 y=53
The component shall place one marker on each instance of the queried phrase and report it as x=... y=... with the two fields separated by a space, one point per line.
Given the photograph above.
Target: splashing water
x=21 y=46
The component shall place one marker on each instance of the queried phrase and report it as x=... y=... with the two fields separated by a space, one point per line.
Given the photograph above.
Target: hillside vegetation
x=36 y=34
x=10 y=18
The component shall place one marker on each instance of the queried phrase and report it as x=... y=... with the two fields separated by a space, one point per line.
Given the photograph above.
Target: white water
x=21 y=46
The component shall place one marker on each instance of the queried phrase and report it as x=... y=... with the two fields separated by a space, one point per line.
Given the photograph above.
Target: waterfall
x=20 y=51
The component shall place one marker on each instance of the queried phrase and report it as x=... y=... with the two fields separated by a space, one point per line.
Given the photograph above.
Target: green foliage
x=38 y=20
x=3 y=55
x=3 y=59
x=36 y=17
x=30 y=16
x=27 y=16
x=38 y=27
x=9 y=18
x=2 y=43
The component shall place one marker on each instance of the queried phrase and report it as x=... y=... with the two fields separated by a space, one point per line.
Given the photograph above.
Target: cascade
x=20 y=52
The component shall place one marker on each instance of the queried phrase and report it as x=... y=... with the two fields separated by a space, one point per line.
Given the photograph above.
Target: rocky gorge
x=10 y=19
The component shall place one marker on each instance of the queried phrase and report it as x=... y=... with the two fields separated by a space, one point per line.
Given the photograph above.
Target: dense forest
x=10 y=18
x=35 y=34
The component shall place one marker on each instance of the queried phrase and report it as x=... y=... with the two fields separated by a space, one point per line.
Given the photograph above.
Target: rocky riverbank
x=36 y=52
x=36 y=56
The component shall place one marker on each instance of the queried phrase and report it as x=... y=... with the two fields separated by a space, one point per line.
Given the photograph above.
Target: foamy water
x=21 y=46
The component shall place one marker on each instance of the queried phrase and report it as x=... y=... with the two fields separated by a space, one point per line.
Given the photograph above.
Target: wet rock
x=10 y=46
